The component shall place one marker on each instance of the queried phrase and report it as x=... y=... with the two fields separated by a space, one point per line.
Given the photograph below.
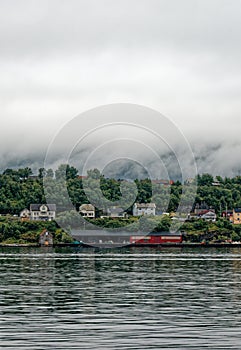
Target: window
x=43 y=208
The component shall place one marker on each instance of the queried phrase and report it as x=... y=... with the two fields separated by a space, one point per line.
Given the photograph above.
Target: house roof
x=205 y=212
x=87 y=207
x=36 y=207
x=165 y=233
x=145 y=205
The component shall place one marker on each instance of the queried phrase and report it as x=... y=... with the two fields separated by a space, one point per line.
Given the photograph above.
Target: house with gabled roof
x=208 y=215
x=43 y=212
x=87 y=210
x=140 y=209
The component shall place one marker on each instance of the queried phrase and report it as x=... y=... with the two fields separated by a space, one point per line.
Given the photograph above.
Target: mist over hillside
x=217 y=159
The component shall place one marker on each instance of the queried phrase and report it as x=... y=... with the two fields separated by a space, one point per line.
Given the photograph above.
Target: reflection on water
x=129 y=298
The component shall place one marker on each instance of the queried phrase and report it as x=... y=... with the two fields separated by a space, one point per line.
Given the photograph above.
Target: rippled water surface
x=120 y=299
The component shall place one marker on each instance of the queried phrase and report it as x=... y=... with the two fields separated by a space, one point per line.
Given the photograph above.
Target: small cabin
x=46 y=238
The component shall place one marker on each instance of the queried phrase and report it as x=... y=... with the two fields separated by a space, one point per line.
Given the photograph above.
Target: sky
x=61 y=58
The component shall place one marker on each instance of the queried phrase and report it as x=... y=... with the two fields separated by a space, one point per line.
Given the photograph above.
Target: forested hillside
x=19 y=188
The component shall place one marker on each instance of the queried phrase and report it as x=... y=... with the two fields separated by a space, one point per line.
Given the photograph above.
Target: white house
x=43 y=212
x=144 y=209
x=87 y=210
x=208 y=215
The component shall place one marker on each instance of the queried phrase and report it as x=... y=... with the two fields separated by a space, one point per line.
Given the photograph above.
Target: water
x=120 y=299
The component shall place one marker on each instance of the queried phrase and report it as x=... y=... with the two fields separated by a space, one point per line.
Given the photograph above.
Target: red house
x=157 y=238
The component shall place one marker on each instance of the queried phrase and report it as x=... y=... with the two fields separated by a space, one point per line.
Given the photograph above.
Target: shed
x=46 y=238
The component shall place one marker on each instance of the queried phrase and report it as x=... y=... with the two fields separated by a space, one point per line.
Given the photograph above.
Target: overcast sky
x=61 y=58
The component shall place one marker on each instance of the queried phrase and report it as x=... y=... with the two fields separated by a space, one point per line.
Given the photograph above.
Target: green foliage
x=70 y=218
x=205 y=180
x=163 y=223
x=12 y=230
x=60 y=236
x=18 y=189
x=235 y=237
x=144 y=191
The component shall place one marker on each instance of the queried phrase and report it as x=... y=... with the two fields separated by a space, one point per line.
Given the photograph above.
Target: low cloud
x=182 y=58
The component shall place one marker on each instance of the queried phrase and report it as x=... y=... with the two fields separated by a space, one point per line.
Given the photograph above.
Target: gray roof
x=36 y=207
x=209 y=213
x=145 y=205
x=87 y=207
x=165 y=233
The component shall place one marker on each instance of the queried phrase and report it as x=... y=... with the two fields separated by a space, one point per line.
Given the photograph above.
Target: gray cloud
x=74 y=25
x=60 y=58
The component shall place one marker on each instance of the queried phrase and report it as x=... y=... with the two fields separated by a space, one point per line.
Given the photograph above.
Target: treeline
x=19 y=188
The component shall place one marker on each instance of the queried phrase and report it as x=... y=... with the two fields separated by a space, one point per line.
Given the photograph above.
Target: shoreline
x=117 y=245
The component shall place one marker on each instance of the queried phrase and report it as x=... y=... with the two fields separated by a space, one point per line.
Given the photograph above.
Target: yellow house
x=237 y=216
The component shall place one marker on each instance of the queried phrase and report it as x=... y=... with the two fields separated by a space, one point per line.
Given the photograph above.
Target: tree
x=71 y=172
x=94 y=174
x=60 y=173
x=204 y=180
x=50 y=173
x=24 y=173
x=41 y=173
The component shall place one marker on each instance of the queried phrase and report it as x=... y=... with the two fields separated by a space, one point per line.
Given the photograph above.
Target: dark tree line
x=19 y=188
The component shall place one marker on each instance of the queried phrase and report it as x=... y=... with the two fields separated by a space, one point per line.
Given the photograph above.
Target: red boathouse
x=157 y=238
